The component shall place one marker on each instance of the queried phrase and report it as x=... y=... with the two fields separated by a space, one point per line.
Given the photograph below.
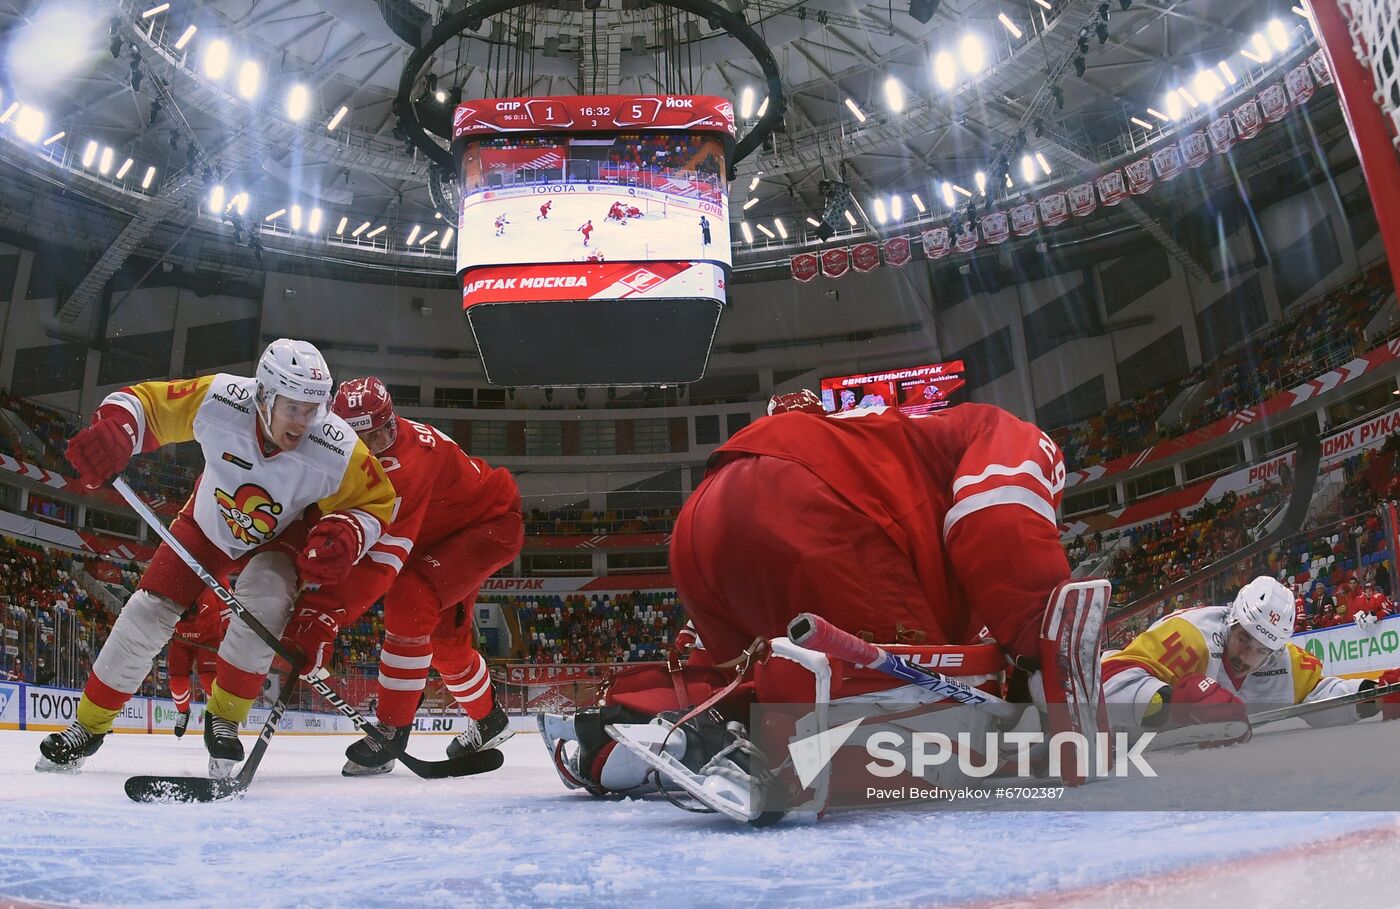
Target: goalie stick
x=466 y=765
x=1288 y=713
x=204 y=789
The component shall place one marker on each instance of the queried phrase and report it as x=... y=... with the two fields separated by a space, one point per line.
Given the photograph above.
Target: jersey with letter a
x=969 y=493
x=1193 y=641
x=441 y=490
x=244 y=498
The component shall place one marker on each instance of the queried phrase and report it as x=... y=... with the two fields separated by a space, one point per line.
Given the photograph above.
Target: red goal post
x=1361 y=40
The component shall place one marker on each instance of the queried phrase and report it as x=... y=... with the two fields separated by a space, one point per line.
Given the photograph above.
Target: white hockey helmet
x=1266 y=610
x=295 y=370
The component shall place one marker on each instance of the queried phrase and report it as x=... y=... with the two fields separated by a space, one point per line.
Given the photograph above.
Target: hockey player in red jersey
x=457 y=521
x=937 y=529
x=616 y=213
x=194 y=649
x=586 y=228
x=544 y=211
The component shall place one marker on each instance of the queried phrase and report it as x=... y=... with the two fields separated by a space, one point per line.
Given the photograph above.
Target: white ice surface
x=305 y=836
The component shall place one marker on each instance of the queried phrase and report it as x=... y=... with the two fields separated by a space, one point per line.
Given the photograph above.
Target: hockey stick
x=466 y=765
x=1288 y=713
x=816 y=633
x=203 y=789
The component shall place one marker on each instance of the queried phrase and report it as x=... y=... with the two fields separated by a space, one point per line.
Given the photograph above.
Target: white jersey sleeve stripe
x=1025 y=468
x=403 y=543
x=386 y=558
x=132 y=405
x=369 y=526
x=1004 y=495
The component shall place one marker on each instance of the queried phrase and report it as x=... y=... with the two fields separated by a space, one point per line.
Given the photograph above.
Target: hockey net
x=1361 y=39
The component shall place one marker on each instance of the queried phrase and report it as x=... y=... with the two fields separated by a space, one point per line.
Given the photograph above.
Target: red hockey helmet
x=366 y=406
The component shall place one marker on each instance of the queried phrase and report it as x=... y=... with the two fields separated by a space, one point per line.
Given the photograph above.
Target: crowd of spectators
x=1311 y=340
x=611 y=628
x=567 y=521
x=50 y=628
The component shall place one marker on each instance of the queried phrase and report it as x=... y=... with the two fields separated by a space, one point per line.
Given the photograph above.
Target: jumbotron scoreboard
x=593 y=235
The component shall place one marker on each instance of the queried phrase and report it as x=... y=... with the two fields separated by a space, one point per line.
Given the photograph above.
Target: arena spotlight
x=89 y=153
x=122 y=171
x=1010 y=26
x=973 y=54
x=782 y=228
x=880 y=214
x=298 y=102
x=1043 y=162
x=762 y=107
x=279 y=213
x=155 y=10
x=215 y=62
x=923 y=10
x=918 y=203
x=249 y=78
x=376 y=232
x=216 y=199
x=104 y=163
x=413 y=235
x=850 y=218
x=747 y=231
x=149 y=178
x=1261 y=48
x=29 y=123
x=240 y=203
x=1027 y=169
x=894 y=94
x=427 y=238
x=313 y=224
x=765 y=231
x=944 y=70
x=359 y=230
x=1279 y=36
x=1228 y=73
x=1142 y=123
x=979 y=178
x=1175 y=108
x=296 y=217
x=746 y=102
x=335 y=120
x=340 y=228
x=185 y=37
x=896 y=207
x=753 y=200
x=813 y=221
x=446 y=238
x=855 y=110
x=947 y=190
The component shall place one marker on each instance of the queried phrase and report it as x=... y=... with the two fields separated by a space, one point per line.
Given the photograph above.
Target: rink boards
x=41 y=709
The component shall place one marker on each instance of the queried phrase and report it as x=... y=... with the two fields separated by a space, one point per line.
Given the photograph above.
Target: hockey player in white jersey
x=288 y=496
x=1209 y=663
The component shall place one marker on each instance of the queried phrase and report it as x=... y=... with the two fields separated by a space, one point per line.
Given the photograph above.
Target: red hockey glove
x=331 y=550
x=1197 y=699
x=1390 y=704
x=311 y=635
x=102 y=450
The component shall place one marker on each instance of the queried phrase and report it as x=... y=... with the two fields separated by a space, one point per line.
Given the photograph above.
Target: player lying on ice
x=272 y=450
x=1205 y=666
x=456 y=522
x=937 y=532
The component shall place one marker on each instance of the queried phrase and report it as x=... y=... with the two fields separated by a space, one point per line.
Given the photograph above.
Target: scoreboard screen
x=914 y=390
x=594 y=200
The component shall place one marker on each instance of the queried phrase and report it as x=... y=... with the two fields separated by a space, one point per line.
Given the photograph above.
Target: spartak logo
x=641 y=279
x=461 y=114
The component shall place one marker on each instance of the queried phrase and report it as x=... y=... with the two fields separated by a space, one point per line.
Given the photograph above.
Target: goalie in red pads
x=455 y=523
x=911 y=530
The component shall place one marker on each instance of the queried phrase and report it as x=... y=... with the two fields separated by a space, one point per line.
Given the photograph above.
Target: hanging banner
x=1273 y=102
x=936 y=242
x=1112 y=189
x=1167 y=161
x=804 y=267
x=865 y=257
x=835 y=262
x=1054 y=209
x=1299 y=84
x=1222 y=134
x=1023 y=220
x=1320 y=72
x=1248 y=122
x=1195 y=150
x=995 y=228
x=1080 y=199
x=1139 y=175
x=967 y=238
x=897 y=251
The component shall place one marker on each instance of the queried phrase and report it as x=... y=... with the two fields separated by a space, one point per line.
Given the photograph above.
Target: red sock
x=467 y=679
x=403 y=671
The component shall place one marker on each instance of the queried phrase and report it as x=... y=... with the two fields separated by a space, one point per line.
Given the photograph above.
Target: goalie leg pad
x=1072 y=683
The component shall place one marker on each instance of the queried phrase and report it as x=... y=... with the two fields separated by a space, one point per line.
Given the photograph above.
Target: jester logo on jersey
x=250 y=513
